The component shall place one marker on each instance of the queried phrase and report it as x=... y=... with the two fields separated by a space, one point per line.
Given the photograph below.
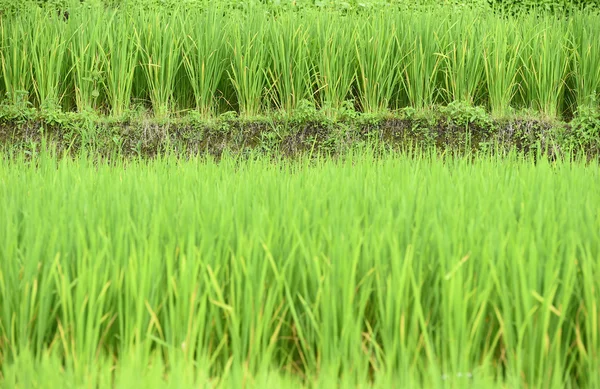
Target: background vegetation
x=256 y=61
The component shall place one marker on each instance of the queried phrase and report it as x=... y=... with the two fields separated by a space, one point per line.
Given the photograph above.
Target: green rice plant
x=49 y=51
x=378 y=61
x=175 y=58
x=82 y=306
x=120 y=57
x=3 y=45
x=501 y=58
x=545 y=63
x=160 y=55
x=248 y=60
x=88 y=37
x=405 y=340
x=26 y=317
x=334 y=59
x=534 y=315
x=462 y=53
x=401 y=270
x=418 y=39
x=585 y=31
x=204 y=56
x=587 y=333
x=289 y=66
x=16 y=67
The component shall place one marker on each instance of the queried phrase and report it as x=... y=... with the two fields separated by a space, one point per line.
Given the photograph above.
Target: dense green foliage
x=256 y=61
x=404 y=271
x=512 y=6
x=356 y=262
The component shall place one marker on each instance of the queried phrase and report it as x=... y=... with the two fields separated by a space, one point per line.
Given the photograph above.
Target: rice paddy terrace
x=299 y=194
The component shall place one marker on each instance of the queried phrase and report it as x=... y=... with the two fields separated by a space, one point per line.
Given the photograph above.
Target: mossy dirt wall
x=454 y=128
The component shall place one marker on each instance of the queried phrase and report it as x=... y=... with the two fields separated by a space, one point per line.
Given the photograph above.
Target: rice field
x=257 y=59
x=370 y=268
x=411 y=270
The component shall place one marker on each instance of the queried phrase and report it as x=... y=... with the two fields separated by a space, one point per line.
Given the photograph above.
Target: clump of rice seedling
x=377 y=59
x=48 y=44
x=502 y=47
x=248 y=60
x=418 y=38
x=585 y=31
x=289 y=65
x=204 y=55
x=160 y=43
x=88 y=37
x=462 y=53
x=16 y=66
x=335 y=67
x=545 y=63
x=121 y=59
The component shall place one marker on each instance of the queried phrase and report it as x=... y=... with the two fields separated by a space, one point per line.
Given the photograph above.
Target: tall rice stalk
x=378 y=61
x=16 y=66
x=545 y=63
x=48 y=42
x=160 y=55
x=462 y=54
x=585 y=30
x=418 y=40
x=535 y=315
x=334 y=58
x=501 y=57
x=289 y=66
x=587 y=322
x=121 y=59
x=204 y=55
x=88 y=38
x=248 y=59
